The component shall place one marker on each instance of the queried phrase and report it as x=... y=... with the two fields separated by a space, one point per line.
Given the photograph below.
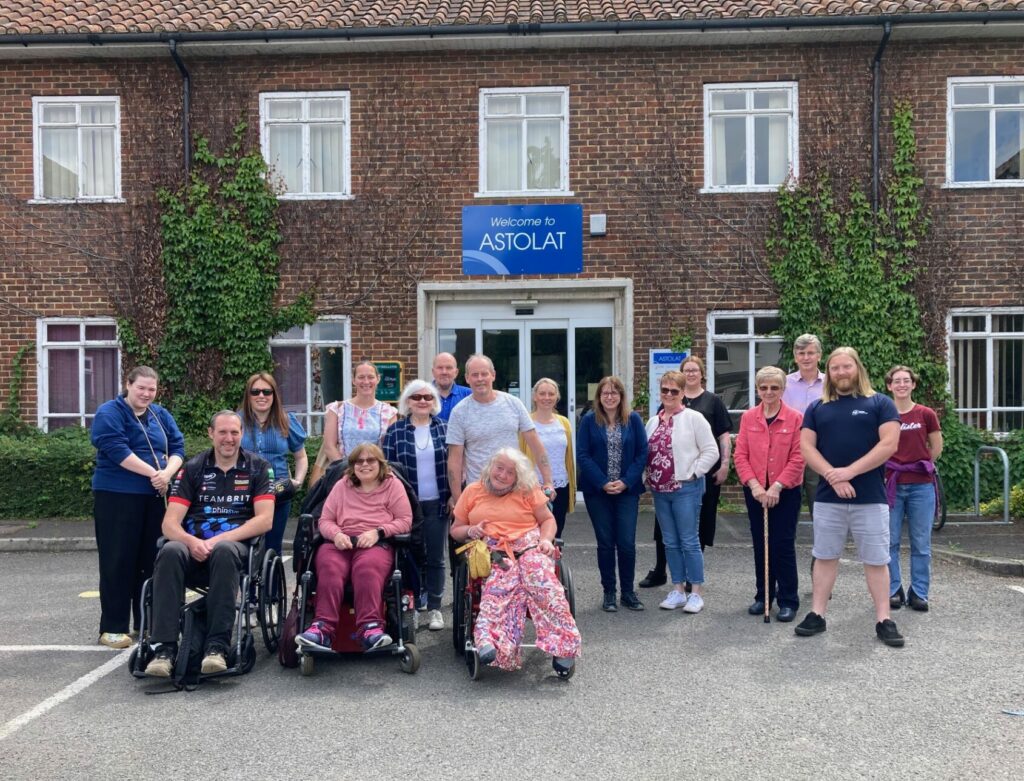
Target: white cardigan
x=694 y=449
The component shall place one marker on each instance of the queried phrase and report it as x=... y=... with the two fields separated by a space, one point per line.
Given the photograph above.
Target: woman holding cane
x=771 y=469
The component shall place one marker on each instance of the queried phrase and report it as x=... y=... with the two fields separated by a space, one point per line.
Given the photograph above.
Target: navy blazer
x=592 y=454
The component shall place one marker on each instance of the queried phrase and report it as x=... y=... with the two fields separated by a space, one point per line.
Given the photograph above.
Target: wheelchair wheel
x=272 y=608
x=565 y=578
x=473 y=663
x=133 y=661
x=306 y=664
x=459 y=588
x=248 y=660
x=410 y=659
x=940 y=505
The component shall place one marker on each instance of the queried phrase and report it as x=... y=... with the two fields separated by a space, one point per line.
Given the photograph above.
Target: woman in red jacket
x=771 y=469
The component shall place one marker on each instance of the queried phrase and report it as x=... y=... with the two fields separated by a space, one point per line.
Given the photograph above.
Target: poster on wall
x=662 y=360
x=390 y=386
x=540 y=239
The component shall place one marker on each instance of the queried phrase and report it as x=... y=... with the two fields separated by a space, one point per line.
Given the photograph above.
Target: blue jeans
x=678 y=515
x=275 y=537
x=916 y=501
x=614 y=521
x=435 y=539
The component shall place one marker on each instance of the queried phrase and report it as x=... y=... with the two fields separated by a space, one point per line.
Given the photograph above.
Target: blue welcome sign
x=540 y=239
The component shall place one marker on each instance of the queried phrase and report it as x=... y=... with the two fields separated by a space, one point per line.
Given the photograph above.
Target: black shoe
x=654 y=579
x=563 y=664
x=631 y=601
x=609 y=606
x=897 y=600
x=688 y=587
x=888 y=633
x=915 y=602
x=786 y=614
x=756 y=608
x=813 y=624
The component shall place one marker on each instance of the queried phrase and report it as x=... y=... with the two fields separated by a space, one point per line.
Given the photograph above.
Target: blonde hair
x=863 y=386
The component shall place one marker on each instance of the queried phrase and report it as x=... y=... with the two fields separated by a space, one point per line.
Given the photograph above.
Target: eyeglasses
x=670 y=391
x=610 y=394
x=421 y=397
x=691 y=371
x=364 y=461
x=261 y=391
x=769 y=387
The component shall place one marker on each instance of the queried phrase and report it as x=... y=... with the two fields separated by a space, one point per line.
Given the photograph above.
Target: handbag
x=287 y=653
x=284 y=489
x=478 y=558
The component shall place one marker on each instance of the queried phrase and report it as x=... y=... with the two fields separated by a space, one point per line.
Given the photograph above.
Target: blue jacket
x=592 y=454
x=400 y=448
x=116 y=433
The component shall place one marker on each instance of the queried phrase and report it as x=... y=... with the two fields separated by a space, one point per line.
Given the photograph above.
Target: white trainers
x=435 y=620
x=673 y=600
x=694 y=604
x=115 y=640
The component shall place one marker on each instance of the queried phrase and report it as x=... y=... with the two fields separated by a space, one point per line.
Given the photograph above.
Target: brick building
x=408 y=136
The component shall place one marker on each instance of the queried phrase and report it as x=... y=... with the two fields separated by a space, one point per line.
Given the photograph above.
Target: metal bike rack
x=1006 y=485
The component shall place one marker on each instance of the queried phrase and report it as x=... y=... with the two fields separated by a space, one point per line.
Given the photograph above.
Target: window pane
x=543 y=104
x=326 y=156
x=100 y=376
x=1007 y=421
x=767 y=325
x=728 y=101
x=96 y=333
x=729 y=145
x=767 y=354
x=98 y=162
x=1003 y=324
x=1008 y=94
x=732 y=377
x=284 y=109
x=962 y=323
x=502 y=347
x=771 y=99
x=285 y=151
x=970 y=95
x=507 y=104
x=1009 y=143
x=62 y=381
x=504 y=155
x=328 y=108
x=327 y=331
x=549 y=357
x=771 y=149
x=732 y=325
x=61 y=112
x=328 y=375
x=542 y=155
x=970 y=146
x=969 y=380
x=60 y=163
x=1008 y=375
x=97 y=113
x=290 y=374
x=593 y=361
x=295 y=332
x=460 y=342
x=63 y=332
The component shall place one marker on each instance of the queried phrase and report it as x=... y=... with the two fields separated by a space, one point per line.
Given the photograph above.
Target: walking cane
x=767 y=617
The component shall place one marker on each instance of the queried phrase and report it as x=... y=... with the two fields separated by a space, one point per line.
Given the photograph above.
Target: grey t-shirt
x=483 y=429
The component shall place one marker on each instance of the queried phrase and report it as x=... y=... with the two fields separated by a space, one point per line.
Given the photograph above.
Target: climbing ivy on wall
x=220 y=234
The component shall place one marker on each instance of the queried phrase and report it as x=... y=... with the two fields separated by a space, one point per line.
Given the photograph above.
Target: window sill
x=982 y=185
x=741 y=190
x=527 y=194
x=66 y=201
x=316 y=197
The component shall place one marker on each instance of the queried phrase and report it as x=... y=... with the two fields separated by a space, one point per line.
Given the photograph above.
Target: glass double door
x=525 y=352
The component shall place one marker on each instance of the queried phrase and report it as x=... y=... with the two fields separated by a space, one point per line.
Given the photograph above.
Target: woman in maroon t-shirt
x=910 y=486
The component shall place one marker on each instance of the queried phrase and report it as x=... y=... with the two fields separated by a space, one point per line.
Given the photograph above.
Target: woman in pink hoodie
x=366 y=507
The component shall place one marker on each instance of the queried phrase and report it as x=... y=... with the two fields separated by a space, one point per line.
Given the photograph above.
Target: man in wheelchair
x=219 y=501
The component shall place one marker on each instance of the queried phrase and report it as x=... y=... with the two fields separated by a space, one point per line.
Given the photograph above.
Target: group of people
x=482 y=466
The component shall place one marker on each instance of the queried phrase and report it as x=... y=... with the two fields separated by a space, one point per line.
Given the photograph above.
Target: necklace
x=422 y=433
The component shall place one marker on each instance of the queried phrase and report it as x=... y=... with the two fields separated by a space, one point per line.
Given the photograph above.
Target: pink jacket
x=351 y=511
x=769 y=451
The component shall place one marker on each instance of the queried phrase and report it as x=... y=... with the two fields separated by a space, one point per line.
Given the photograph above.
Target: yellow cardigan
x=570 y=465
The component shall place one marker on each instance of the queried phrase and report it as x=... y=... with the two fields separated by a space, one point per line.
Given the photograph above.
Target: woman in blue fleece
x=138 y=451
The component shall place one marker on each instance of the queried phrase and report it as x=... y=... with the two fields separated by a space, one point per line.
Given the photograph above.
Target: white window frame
x=563 y=189
x=750 y=339
x=991 y=81
x=990 y=337
x=308 y=343
x=37 y=147
x=346 y=164
x=43 y=345
x=794 y=133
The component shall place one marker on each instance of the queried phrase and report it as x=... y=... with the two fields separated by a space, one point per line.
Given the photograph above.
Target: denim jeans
x=678 y=515
x=435 y=538
x=614 y=521
x=916 y=501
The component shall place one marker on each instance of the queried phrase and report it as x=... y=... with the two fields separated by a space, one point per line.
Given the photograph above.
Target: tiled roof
x=30 y=17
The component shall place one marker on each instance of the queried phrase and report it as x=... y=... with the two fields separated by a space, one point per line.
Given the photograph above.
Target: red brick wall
x=636 y=131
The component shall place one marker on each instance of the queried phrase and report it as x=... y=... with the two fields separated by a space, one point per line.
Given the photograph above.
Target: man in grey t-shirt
x=485 y=422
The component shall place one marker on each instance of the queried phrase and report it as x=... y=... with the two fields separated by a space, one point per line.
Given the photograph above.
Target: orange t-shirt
x=504 y=517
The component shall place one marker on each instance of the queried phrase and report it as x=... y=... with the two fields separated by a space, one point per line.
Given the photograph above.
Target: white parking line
x=19 y=649
x=1017 y=588
x=64 y=694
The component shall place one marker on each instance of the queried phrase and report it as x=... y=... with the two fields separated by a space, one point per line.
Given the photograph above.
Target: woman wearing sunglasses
x=681 y=450
x=272 y=434
x=416 y=443
x=771 y=469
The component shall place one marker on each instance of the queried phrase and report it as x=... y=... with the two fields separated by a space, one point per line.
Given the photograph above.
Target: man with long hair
x=847 y=437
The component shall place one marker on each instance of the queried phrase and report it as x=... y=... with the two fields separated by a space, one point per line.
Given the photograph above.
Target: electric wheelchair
x=466 y=606
x=400 y=618
x=262 y=577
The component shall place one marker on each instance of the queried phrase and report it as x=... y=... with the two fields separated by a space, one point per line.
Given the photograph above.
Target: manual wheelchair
x=262 y=577
x=466 y=606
